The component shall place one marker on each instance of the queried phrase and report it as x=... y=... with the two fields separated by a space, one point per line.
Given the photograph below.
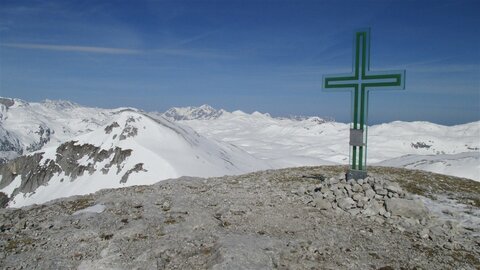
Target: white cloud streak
x=71 y=48
x=107 y=50
x=192 y=53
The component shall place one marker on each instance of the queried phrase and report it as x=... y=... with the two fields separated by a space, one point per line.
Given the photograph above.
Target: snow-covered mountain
x=26 y=127
x=132 y=149
x=204 y=112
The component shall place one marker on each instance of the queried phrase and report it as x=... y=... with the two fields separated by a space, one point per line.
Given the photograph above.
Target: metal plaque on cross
x=360 y=81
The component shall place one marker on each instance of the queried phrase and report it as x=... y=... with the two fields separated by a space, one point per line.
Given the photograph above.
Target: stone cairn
x=376 y=198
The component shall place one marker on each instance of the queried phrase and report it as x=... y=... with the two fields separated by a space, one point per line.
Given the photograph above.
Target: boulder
x=338 y=193
x=373 y=208
x=356 y=197
x=394 y=188
x=366 y=186
x=406 y=208
x=333 y=180
x=382 y=192
x=322 y=204
x=369 y=193
x=357 y=188
x=346 y=203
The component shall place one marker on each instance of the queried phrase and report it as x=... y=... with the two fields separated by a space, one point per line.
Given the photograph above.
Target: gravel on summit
x=300 y=218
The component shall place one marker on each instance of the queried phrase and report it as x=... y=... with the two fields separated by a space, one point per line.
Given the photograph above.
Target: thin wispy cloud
x=109 y=50
x=71 y=48
x=192 y=53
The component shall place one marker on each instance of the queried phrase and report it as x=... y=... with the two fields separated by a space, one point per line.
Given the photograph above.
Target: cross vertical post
x=360 y=81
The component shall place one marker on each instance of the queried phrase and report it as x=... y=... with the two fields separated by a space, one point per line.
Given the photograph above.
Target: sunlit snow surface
x=285 y=142
x=462 y=165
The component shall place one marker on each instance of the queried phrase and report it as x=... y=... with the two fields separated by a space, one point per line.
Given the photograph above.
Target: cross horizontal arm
x=340 y=81
x=372 y=80
x=384 y=80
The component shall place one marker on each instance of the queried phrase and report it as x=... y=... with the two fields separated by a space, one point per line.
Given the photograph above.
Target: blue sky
x=268 y=56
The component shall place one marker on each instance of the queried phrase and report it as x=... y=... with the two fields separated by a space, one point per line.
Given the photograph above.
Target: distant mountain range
x=204 y=112
x=58 y=148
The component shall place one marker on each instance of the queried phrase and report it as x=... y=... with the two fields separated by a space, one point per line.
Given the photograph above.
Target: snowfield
x=452 y=150
x=465 y=165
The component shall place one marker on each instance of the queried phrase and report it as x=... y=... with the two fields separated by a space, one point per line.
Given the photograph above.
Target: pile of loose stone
x=376 y=198
x=383 y=201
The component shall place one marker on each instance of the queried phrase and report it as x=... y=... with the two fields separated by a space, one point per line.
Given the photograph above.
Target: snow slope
x=142 y=150
x=465 y=165
x=312 y=141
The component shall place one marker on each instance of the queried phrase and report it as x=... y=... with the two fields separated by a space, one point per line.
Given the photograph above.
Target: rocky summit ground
x=301 y=218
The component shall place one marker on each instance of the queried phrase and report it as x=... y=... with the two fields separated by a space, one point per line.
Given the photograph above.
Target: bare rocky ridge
x=301 y=218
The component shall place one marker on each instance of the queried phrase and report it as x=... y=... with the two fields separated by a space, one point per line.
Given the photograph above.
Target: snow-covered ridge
x=131 y=149
x=204 y=112
x=39 y=125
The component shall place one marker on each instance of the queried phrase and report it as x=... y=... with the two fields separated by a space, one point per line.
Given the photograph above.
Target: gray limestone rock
x=382 y=192
x=406 y=208
x=357 y=196
x=369 y=193
x=333 y=180
x=338 y=193
x=346 y=203
x=322 y=204
x=394 y=187
x=373 y=208
x=357 y=188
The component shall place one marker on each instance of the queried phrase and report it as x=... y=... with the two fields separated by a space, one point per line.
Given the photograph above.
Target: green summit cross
x=359 y=82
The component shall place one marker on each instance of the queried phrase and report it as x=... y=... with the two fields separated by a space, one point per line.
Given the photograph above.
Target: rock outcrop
x=34 y=170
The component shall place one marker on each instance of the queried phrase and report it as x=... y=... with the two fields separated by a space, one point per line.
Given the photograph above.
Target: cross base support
x=355 y=174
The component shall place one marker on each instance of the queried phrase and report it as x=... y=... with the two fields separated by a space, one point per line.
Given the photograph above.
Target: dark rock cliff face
x=3 y=200
x=44 y=137
x=35 y=173
x=28 y=168
x=110 y=127
x=129 y=130
x=9 y=143
x=7 y=102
